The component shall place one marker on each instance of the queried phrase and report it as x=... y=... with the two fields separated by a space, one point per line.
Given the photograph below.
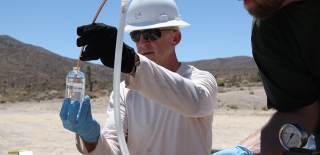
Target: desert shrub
x=92 y=95
x=233 y=106
x=241 y=88
x=56 y=94
x=265 y=108
x=255 y=77
x=228 y=84
x=237 y=84
x=220 y=82
x=251 y=84
x=245 y=82
x=251 y=92
x=233 y=79
x=104 y=92
x=3 y=101
x=23 y=93
x=11 y=100
x=221 y=90
x=20 y=98
x=53 y=92
x=102 y=85
x=16 y=92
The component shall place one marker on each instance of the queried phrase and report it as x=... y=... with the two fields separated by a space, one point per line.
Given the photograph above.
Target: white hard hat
x=148 y=14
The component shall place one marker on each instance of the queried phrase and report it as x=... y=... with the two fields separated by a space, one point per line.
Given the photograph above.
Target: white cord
x=116 y=77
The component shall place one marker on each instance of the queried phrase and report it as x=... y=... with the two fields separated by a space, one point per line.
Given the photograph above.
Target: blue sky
x=219 y=28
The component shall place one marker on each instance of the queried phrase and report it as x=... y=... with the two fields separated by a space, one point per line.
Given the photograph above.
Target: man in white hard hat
x=166 y=106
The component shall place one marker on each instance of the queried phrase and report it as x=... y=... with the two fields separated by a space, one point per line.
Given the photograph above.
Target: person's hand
x=80 y=122
x=238 y=150
x=100 y=41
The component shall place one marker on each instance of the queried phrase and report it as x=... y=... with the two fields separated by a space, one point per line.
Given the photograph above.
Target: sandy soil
x=37 y=126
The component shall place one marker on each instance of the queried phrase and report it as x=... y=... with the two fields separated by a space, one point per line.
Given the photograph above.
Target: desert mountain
x=238 y=62
x=25 y=65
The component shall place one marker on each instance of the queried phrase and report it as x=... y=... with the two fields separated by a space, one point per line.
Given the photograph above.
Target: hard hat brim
x=155 y=24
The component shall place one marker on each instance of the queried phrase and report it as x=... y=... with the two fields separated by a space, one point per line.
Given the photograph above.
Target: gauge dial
x=292 y=136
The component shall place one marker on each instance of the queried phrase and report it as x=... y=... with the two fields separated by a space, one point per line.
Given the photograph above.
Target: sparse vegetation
x=19 y=95
x=221 y=90
x=237 y=84
x=220 y=82
x=255 y=77
x=23 y=93
x=244 y=82
x=265 y=108
x=38 y=74
x=233 y=106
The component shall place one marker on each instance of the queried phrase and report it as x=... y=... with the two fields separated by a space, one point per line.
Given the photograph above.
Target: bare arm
x=266 y=141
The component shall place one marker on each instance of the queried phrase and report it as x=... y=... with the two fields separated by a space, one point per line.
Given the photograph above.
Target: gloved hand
x=100 y=41
x=238 y=150
x=80 y=122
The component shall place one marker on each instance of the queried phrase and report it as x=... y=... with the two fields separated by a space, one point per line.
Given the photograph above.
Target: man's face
x=160 y=50
x=263 y=8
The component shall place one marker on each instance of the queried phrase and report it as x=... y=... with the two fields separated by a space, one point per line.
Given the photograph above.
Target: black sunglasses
x=149 y=34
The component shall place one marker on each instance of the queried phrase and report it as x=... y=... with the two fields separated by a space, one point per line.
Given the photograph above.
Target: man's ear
x=176 y=37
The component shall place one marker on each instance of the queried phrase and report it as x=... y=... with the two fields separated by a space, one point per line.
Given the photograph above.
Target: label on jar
x=75 y=87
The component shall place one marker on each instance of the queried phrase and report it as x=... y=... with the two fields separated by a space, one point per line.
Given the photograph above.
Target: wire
x=82 y=48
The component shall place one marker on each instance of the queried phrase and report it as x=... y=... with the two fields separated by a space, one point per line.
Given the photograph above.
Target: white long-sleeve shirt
x=162 y=112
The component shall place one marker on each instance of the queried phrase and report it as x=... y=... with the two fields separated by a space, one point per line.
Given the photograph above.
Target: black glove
x=100 y=41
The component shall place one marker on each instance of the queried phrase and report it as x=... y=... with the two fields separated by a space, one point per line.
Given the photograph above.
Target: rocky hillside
x=28 y=68
x=25 y=64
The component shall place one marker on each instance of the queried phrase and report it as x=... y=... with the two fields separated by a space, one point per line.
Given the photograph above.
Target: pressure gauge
x=293 y=135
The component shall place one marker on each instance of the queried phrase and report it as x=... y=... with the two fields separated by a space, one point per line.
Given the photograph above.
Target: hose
x=116 y=77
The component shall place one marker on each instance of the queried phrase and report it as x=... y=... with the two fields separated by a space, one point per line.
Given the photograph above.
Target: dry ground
x=37 y=126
